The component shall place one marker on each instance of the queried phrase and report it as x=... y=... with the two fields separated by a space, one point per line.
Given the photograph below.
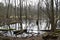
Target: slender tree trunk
x=26 y=14
x=53 y=27
x=38 y=17
x=21 y=14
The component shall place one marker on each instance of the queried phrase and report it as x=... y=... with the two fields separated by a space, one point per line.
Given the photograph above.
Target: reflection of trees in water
x=58 y=24
x=31 y=27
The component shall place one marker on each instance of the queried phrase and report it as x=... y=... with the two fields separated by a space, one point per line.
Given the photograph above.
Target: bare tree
x=21 y=14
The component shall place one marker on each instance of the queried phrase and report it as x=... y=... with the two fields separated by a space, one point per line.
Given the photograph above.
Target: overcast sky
x=32 y=2
x=0 y=0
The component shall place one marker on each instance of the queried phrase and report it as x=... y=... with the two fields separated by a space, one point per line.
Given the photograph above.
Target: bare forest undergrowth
x=22 y=38
x=26 y=38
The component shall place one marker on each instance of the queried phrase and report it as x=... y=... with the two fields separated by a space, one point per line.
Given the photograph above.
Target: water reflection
x=30 y=26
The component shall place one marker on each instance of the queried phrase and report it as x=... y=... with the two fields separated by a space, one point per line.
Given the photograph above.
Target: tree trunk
x=21 y=14
x=53 y=27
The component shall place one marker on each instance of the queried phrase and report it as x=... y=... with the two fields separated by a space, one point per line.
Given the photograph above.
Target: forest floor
x=25 y=38
x=22 y=38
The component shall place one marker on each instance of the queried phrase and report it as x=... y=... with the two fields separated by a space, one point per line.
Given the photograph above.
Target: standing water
x=31 y=27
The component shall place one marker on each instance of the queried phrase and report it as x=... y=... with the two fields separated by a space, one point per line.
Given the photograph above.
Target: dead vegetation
x=22 y=38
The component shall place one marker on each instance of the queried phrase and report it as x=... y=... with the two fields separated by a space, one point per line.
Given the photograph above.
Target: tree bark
x=53 y=27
